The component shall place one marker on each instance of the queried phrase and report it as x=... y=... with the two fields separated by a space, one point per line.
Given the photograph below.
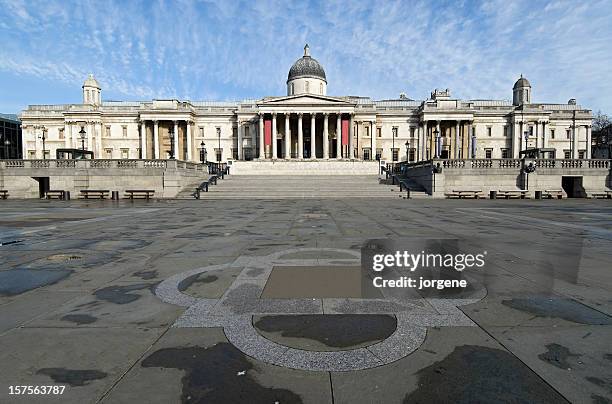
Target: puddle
x=567 y=309
x=477 y=374
x=73 y=377
x=79 y=318
x=557 y=356
x=121 y=294
x=332 y=330
x=212 y=375
x=16 y=281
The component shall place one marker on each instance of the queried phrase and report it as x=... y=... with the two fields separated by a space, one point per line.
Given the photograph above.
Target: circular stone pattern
x=326 y=332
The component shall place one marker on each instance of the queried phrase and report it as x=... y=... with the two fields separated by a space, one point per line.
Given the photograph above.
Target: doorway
x=43 y=186
x=573 y=187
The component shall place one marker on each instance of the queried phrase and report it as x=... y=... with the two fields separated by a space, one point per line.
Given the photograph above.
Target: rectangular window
x=61 y=133
x=379 y=151
x=108 y=131
x=567 y=154
x=488 y=153
x=412 y=154
x=235 y=153
x=201 y=132
x=108 y=153
x=552 y=133
x=124 y=128
x=247 y=132
x=125 y=153
x=412 y=131
x=366 y=153
x=567 y=133
x=378 y=132
x=505 y=153
x=367 y=131
x=394 y=133
x=581 y=154
x=395 y=154
x=31 y=154
x=505 y=130
x=489 y=131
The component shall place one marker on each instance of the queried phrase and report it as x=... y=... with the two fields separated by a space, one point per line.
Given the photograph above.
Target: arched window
x=321 y=88
x=307 y=86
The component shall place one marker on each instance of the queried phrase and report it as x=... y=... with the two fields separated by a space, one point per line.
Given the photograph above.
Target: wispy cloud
x=243 y=49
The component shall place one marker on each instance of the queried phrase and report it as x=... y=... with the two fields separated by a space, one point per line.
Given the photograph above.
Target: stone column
x=177 y=155
x=544 y=139
x=339 y=136
x=287 y=136
x=588 y=139
x=143 y=140
x=313 y=136
x=325 y=136
x=350 y=137
x=456 y=152
x=90 y=145
x=469 y=140
x=372 y=140
x=189 y=141
x=239 y=140
x=437 y=136
x=537 y=134
x=156 y=139
x=574 y=141
x=424 y=141
x=274 y=135
x=300 y=136
x=262 y=150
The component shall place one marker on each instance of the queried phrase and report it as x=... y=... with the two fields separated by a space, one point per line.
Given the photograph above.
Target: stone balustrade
x=101 y=164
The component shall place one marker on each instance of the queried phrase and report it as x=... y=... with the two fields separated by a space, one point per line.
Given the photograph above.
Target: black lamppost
x=44 y=137
x=437 y=136
x=393 y=133
x=203 y=152
x=219 y=137
x=407 y=150
x=526 y=135
x=83 y=134
x=171 y=133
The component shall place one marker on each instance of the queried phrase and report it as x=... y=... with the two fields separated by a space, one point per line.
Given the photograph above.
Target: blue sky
x=231 y=50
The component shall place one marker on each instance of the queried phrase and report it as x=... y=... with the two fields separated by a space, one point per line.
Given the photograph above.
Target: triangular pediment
x=304 y=99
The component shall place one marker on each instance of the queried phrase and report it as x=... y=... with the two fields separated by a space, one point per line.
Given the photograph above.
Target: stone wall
x=165 y=177
x=508 y=174
x=305 y=167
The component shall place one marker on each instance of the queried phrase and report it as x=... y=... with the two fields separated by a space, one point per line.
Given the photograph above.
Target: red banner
x=345 y=132
x=267 y=132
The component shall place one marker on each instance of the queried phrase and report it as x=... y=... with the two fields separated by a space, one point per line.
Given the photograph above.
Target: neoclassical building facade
x=309 y=124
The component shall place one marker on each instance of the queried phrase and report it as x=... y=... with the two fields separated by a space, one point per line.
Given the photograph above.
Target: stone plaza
x=206 y=301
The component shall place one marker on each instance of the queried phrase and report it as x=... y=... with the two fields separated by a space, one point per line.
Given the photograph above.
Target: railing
x=502 y=164
x=100 y=164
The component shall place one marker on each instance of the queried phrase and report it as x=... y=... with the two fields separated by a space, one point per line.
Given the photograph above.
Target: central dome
x=306 y=66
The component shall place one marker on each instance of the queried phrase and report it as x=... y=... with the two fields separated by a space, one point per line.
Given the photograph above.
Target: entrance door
x=43 y=186
x=573 y=187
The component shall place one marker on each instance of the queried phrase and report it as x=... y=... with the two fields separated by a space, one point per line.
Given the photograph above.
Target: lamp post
x=171 y=134
x=44 y=137
x=82 y=133
x=219 y=137
x=526 y=135
x=203 y=152
x=407 y=150
x=437 y=136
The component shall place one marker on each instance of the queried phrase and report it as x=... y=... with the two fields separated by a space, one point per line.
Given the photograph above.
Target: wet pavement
x=244 y=301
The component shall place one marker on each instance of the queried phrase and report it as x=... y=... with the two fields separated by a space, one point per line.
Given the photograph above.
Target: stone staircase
x=287 y=187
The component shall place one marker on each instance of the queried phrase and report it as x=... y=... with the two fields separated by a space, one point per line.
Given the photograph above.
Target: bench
x=602 y=195
x=4 y=194
x=56 y=194
x=460 y=194
x=94 y=194
x=552 y=193
x=139 y=194
x=509 y=194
